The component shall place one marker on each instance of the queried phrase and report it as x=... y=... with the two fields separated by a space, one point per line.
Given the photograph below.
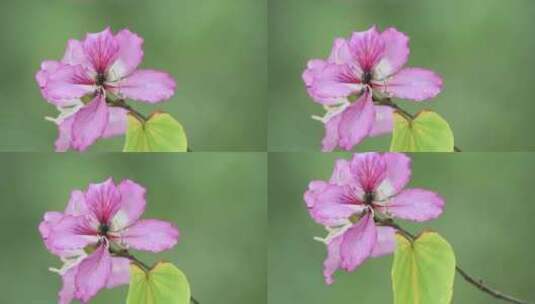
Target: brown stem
x=470 y=279
x=388 y=102
x=125 y=254
x=120 y=103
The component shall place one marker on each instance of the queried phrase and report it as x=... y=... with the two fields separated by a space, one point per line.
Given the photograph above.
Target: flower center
x=103 y=229
x=366 y=77
x=369 y=197
x=101 y=78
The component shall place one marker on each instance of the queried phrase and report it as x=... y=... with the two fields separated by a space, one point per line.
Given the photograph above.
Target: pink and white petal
x=358 y=243
x=330 y=140
x=89 y=124
x=103 y=200
x=333 y=83
x=71 y=232
x=412 y=83
x=328 y=204
x=384 y=121
x=340 y=53
x=132 y=204
x=386 y=242
x=369 y=169
x=77 y=204
x=150 y=235
x=67 y=82
x=68 y=290
x=93 y=273
x=342 y=173
x=147 y=85
x=47 y=67
x=396 y=53
x=333 y=260
x=368 y=48
x=356 y=123
x=416 y=205
x=314 y=66
x=398 y=175
x=130 y=54
x=117 y=122
x=64 y=140
x=45 y=227
x=101 y=50
x=120 y=272
x=75 y=55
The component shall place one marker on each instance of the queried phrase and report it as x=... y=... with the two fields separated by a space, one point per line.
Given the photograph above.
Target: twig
x=470 y=279
x=125 y=254
x=120 y=103
x=388 y=102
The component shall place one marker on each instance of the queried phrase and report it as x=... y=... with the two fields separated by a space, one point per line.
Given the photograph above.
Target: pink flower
x=101 y=66
x=94 y=226
x=369 y=63
x=369 y=185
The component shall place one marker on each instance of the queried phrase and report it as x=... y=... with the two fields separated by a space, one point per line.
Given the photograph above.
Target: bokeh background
x=488 y=220
x=215 y=49
x=217 y=201
x=482 y=48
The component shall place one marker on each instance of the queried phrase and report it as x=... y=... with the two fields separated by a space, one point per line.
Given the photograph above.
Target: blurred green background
x=215 y=49
x=488 y=220
x=482 y=48
x=218 y=201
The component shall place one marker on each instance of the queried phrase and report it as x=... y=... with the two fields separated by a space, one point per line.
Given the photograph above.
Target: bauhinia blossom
x=93 y=71
x=95 y=226
x=370 y=185
x=366 y=65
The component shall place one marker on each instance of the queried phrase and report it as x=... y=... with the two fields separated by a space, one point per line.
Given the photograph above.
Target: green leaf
x=427 y=132
x=423 y=270
x=164 y=283
x=160 y=133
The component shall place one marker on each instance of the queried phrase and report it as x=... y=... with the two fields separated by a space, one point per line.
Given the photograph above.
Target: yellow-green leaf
x=427 y=132
x=160 y=133
x=423 y=270
x=164 y=283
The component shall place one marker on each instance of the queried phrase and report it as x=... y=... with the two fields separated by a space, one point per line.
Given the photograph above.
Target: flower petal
x=61 y=84
x=130 y=54
x=117 y=122
x=369 y=169
x=396 y=53
x=330 y=140
x=358 y=243
x=147 y=85
x=89 y=123
x=77 y=204
x=356 y=123
x=120 y=272
x=340 y=53
x=71 y=232
x=64 y=140
x=342 y=173
x=150 y=235
x=103 y=200
x=333 y=260
x=75 y=55
x=328 y=205
x=416 y=205
x=386 y=242
x=398 y=175
x=101 y=50
x=368 y=48
x=384 y=121
x=329 y=83
x=412 y=83
x=132 y=204
x=67 y=292
x=93 y=273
